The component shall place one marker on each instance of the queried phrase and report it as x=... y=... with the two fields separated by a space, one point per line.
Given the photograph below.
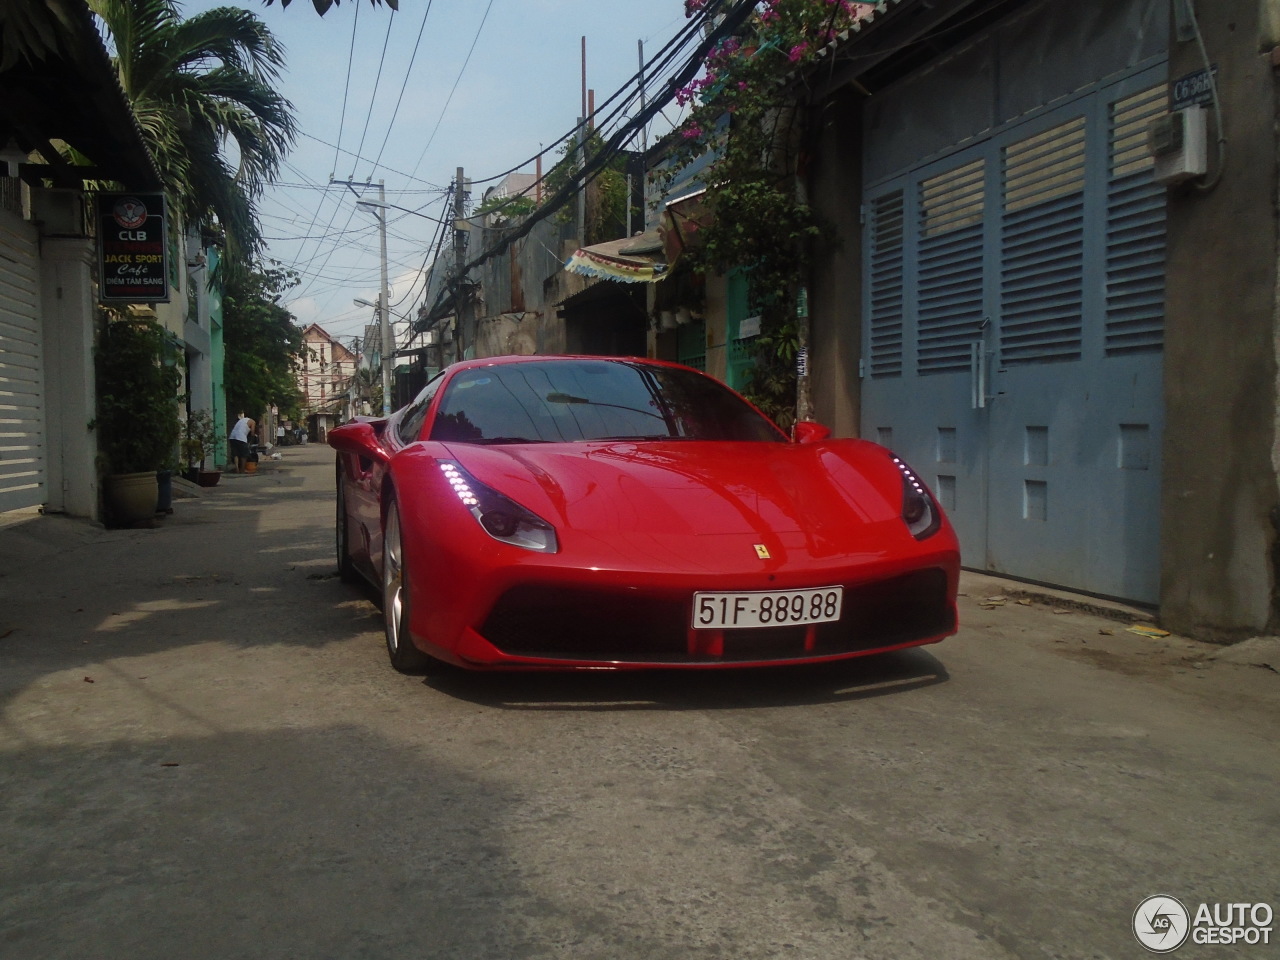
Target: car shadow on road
x=896 y=673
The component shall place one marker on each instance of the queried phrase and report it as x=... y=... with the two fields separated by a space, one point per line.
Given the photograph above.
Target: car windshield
x=554 y=401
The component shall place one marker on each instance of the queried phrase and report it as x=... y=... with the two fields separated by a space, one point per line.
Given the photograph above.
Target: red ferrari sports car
x=609 y=513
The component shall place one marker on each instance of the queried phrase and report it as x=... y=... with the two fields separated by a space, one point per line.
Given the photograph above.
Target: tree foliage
x=263 y=344
x=745 y=114
x=322 y=6
x=368 y=387
x=137 y=408
x=607 y=195
x=505 y=209
x=202 y=90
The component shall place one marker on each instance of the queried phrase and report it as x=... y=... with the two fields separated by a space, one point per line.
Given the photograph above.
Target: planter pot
x=132 y=497
x=208 y=478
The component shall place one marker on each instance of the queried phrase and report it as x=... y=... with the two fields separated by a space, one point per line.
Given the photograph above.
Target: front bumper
x=567 y=626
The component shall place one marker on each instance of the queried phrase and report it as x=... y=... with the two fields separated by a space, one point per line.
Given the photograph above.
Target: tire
x=347 y=572
x=405 y=657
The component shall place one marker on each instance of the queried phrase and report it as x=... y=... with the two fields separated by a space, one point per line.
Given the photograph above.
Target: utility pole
x=384 y=304
x=460 y=255
x=582 y=153
x=379 y=209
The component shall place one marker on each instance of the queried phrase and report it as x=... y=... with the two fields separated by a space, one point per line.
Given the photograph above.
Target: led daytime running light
x=919 y=511
x=911 y=477
x=460 y=485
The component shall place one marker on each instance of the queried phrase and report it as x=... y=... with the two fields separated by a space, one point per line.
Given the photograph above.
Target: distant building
x=324 y=377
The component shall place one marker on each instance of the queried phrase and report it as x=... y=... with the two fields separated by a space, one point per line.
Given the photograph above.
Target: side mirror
x=809 y=431
x=359 y=438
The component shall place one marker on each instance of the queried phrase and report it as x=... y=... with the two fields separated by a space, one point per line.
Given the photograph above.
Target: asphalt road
x=204 y=754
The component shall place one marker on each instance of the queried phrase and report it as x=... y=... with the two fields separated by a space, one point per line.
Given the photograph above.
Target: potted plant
x=198 y=444
x=137 y=418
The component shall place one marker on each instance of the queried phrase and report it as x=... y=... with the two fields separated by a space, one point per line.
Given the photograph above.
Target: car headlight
x=919 y=511
x=500 y=516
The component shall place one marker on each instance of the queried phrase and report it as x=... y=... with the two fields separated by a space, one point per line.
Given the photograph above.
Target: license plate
x=766 y=608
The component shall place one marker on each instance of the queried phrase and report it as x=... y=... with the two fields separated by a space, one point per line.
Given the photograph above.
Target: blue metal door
x=1014 y=306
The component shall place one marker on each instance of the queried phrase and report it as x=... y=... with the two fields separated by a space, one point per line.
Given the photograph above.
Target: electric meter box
x=1179 y=144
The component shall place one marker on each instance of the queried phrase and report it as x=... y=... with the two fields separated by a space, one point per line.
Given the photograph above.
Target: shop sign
x=132 y=250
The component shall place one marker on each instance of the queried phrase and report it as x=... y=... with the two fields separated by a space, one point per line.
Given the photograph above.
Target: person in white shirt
x=240 y=441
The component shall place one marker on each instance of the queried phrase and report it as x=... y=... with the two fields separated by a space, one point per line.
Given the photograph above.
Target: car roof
x=544 y=357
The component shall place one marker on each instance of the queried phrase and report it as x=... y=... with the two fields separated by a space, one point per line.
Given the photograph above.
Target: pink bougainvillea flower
x=797 y=52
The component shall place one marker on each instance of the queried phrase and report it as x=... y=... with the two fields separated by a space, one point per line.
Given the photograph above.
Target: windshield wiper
x=570 y=398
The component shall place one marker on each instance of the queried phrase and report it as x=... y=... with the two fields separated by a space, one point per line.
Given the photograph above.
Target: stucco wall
x=520 y=287
x=1219 y=497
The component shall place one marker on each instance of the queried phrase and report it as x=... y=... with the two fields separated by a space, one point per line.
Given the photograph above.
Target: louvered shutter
x=1042 y=246
x=949 y=270
x=886 y=284
x=1135 y=229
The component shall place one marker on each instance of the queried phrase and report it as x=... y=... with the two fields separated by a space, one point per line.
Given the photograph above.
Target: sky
x=480 y=84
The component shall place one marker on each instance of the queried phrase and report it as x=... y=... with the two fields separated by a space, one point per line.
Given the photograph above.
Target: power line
x=377 y=81
x=346 y=89
x=398 y=173
x=667 y=54
x=458 y=80
x=729 y=25
x=405 y=83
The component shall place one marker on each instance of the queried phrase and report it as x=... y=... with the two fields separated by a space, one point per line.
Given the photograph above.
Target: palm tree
x=202 y=92
x=322 y=6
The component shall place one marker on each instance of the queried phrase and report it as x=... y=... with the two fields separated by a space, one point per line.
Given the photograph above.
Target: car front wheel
x=405 y=657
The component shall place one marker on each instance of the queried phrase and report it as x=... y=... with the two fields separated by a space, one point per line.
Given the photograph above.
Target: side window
x=411 y=422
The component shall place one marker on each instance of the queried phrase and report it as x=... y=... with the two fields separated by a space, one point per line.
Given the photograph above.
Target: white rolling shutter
x=23 y=478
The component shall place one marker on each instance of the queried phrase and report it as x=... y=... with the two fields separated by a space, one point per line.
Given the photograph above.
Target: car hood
x=818 y=497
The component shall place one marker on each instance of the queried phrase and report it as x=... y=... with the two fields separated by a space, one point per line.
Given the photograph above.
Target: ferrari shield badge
x=762 y=551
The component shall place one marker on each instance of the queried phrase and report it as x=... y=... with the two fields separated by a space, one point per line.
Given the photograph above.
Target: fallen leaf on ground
x=1107 y=633
x=88 y=679
x=1148 y=631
